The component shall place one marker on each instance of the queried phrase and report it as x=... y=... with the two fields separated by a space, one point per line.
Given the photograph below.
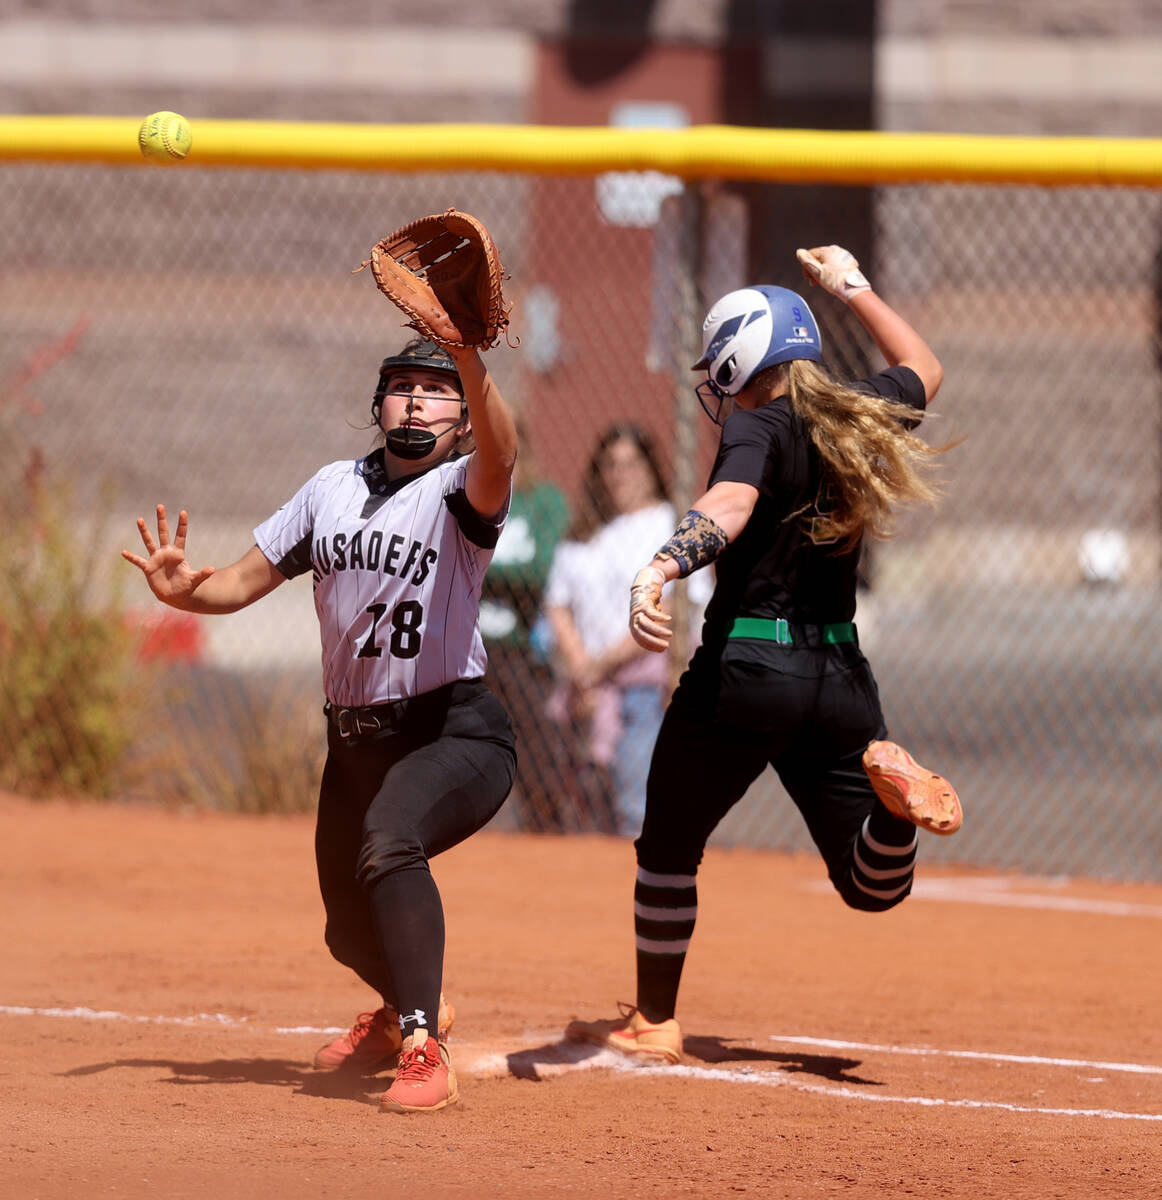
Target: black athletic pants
x=388 y=803
x=808 y=711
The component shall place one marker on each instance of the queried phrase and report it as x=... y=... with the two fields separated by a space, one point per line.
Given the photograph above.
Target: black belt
x=372 y=718
x=393 y=716
x=786 y=634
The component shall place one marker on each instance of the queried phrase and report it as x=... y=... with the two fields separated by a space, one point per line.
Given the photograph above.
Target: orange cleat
x=425 y=1081
x=373 y=1043
x=632 y=1035
x=911 y=791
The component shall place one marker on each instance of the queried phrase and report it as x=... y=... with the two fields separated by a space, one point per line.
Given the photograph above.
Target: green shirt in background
x=511 y=596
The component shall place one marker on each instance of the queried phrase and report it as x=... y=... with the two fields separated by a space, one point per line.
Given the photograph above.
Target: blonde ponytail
x=873 y=463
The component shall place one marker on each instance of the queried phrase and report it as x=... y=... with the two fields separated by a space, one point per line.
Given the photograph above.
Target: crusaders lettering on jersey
x=396 y=568
x=342 y=553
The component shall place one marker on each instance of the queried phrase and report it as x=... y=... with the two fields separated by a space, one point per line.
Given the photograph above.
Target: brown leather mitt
x=443 y=272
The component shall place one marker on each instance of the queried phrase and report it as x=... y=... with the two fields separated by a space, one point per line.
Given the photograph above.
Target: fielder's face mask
x=745 y=332
x=411 y=442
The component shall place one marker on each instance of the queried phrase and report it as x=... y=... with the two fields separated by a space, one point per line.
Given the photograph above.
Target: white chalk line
x=846 y=1093
x=96 y=1014
x=984 y=1056
x=563 y=1057
x=222 y=1020
x=1000 y=893
x=225 y=1021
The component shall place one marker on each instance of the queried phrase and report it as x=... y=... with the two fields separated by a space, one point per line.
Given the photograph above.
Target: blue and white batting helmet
x=751 y=329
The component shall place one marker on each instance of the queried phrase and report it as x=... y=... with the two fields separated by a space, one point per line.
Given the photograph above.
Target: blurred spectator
x=611 y=693
x=518 y=664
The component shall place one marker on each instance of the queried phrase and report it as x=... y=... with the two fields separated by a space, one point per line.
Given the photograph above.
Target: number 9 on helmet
x=747 y=331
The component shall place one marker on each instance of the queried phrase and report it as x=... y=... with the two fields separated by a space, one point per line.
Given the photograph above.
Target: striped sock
x=882 y=869
x=665 y=908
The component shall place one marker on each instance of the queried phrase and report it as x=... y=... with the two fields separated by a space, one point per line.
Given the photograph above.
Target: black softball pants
x=807 y=711
x=388 y=803
x=810 y=712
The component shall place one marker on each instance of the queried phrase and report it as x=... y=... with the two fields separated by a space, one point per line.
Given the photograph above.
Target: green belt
x=782 y=631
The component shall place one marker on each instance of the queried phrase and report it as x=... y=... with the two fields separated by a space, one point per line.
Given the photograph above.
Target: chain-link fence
x=195 y=337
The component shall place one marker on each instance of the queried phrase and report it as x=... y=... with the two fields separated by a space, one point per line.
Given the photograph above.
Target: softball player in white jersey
x=420 y=753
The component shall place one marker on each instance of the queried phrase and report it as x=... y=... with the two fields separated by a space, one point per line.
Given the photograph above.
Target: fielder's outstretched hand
x=647 y=622
x=834 y=269
x=170 y=577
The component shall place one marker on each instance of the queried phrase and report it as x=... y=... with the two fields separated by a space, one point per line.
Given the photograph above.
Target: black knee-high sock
x=665 y=908
x=884 y=858
x=409 y=917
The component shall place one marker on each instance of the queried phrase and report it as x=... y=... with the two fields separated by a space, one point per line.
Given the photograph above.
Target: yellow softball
x=165 y=137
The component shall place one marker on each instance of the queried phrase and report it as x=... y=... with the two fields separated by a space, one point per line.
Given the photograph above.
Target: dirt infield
x=164 y=986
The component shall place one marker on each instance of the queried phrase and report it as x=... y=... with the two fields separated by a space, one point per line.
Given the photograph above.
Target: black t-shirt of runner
x=774 y=568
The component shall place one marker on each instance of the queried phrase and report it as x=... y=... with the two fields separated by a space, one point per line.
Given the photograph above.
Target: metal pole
x=685 y=485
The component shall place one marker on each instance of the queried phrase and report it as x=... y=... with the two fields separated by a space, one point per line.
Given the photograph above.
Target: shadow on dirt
x=556 y=1058
x=553 y=1058
x=713 y=1050
x=276 y=1072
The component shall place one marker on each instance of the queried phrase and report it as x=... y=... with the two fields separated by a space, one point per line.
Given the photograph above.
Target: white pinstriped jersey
x=397 y=573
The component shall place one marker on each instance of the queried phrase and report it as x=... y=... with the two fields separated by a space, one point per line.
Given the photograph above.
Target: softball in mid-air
x=165 y=137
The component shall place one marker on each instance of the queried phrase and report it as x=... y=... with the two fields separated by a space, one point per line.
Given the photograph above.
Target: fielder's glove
x=443 y=272
x=647 y=622
x=835 y=269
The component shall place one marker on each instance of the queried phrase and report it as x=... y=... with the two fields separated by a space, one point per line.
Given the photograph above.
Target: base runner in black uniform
x=420 y=753
x=805 y=467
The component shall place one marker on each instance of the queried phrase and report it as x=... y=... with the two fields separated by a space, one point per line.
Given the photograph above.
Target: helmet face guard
x=713 y=398
x=747 y=331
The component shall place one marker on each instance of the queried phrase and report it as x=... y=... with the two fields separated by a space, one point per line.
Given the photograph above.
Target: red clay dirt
x=164 y=987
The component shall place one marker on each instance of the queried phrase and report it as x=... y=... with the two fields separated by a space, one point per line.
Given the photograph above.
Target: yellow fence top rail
x=697 y=152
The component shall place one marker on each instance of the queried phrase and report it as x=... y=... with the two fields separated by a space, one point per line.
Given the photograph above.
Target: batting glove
x=834 y=269
x=647 y=622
